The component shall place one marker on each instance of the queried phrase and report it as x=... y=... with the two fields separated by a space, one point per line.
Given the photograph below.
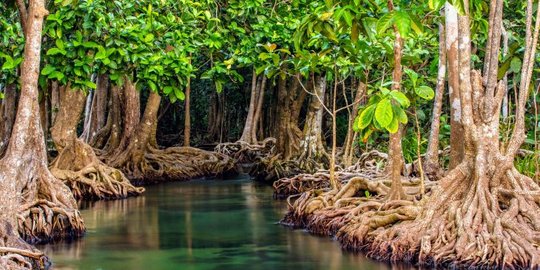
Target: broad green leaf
x=167 y=90
x=90 y=84
x=48 y=69
x=402 y=116
x=436 y=5
x=385 y=22
x=384 y=113
x=152 y=85
x=149 y=38
x=400 y=98
x=55 y=51
x=402 y=21
x=365 y=118
x=515 y=65
x=179 y=94
x=425 y=92
x=393 y=126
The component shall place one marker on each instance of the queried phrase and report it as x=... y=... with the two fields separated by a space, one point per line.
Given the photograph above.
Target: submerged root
x=45 y=221
x=174 y=164
x=17 y=254
x=88 y=177
x=488 y=223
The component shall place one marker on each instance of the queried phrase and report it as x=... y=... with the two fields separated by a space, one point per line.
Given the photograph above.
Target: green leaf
x=515 y=65
x=384 y=113
x=179 y=94
x=149 y=38
x=152 y=85
x=90 y=44
x=400 y=98
x=365 y=118
x=393 y=126
x=55 y=51
x=402 y=22
x=219 y=86
x=402 y=116
x=425 y=92
x=385 y=22
x=90 y=84
x=167 y=90
x=436 y=4
x=48 y=69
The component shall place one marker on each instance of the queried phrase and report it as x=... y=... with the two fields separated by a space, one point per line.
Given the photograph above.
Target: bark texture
x=34 y=205
x=7 y=114
x=77 y=164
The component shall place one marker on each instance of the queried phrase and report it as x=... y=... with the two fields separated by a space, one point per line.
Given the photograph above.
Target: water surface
x=202 y=224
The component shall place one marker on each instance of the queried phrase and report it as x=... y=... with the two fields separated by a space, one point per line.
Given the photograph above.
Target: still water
x=202 y=224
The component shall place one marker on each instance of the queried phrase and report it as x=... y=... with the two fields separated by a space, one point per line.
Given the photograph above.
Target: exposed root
x=88 y=177
x=485 y=224
x=174 y=164
x=245 y=153
x=44 y=221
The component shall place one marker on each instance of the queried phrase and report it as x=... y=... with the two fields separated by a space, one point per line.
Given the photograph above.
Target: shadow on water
x=199 y=225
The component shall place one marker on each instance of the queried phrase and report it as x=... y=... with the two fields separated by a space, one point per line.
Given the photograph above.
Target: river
x=201 y=224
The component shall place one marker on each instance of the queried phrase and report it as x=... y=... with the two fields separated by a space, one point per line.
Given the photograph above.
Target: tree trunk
x=77 y=164
x=312 y=152
x=98 y=109
x=33 y=201
x=395 y=154
x=288 y=134
x=431 y=164
x=484 y=213
x=257 y=118
x=9 y=108
x=249 y=126
x=143 y=162
x=456 y=132
x=187 y=117
x=351 y=134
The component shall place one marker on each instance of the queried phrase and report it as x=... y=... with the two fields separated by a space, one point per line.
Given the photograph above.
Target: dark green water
x=198 y=225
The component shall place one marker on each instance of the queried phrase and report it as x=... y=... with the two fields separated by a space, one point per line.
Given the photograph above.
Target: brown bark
x=7 y=114
x=77 y=164
x=351 y=134
x=33 y=201
x=395 y=161
x=187 y=117
x=312 y=152
x=431 y=164
x=247 y=134
x=257 y=118
x=98 y=109
x=288 y=134
x=456 y=132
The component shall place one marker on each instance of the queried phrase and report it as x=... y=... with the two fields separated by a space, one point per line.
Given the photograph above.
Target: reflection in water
x=198 y=225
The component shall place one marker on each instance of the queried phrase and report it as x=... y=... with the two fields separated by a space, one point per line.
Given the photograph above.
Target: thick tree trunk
x=431 y=164
x=8 y=110
x=143 y=162
x=250 y=126
x=98 y=109
x=33 y=201
x=257 y=118
x=312 y=152
x=288 y=134
x=77 y=164
x=108 y=138
x=456 y=132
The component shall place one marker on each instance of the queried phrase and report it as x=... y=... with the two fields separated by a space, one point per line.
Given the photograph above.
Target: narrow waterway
x=203 y=224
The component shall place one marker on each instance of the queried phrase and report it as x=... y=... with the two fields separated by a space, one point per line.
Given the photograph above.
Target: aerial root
x=44 y=221
x=90 y=178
